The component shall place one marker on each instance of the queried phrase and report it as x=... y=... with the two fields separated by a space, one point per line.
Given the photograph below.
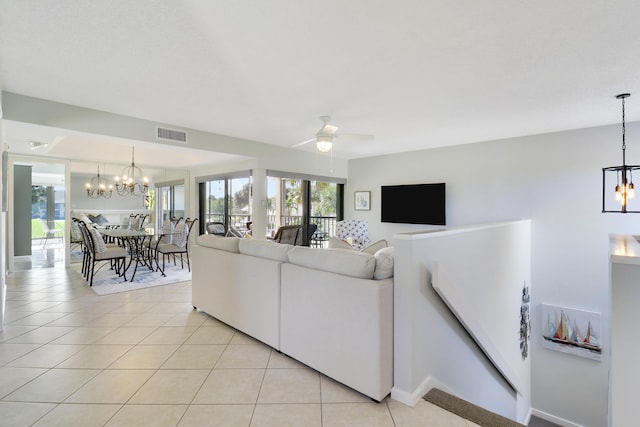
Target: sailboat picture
x=572 y=331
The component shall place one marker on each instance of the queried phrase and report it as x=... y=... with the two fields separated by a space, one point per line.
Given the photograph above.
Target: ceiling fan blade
x=355 y=136
x=303 y=142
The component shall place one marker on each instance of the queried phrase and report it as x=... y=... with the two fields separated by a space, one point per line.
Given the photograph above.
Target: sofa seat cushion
x=265 y=249
x=229 y=244
x=342 y=261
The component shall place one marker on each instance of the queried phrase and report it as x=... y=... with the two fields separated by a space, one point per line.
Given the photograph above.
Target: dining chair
x=50 y=233
x=179 y=245
x=76 y=235
x=99 y=252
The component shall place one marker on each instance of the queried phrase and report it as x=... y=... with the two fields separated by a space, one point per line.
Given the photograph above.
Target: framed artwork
x=572 y=331
x=362 y=201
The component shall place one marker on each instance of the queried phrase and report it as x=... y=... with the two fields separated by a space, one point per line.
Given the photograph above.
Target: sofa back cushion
x=342 y=261
x=265 y=249
x=229 y=244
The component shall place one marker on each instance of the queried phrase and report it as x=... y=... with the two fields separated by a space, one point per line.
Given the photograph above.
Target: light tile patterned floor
x=69 y=357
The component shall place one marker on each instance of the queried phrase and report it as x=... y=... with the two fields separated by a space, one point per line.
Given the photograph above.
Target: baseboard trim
x=412 y=398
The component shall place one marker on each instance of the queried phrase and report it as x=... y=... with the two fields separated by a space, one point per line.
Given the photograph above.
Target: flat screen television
x=414 y=204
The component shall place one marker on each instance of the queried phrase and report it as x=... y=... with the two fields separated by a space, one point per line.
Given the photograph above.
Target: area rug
x=468 y=410
x=106 y=281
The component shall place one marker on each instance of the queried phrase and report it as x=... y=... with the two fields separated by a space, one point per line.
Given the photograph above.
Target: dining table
x=138 y=243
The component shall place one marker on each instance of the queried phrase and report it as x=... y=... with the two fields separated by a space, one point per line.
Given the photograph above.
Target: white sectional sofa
x=331 y=309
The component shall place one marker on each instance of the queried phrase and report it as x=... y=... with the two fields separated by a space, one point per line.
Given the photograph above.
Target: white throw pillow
x=384 y=263
x=180 y=234
x=339 y=244
x=76 y=234
x=98 y=241
x=229 y=244
x=167 y=231
x=375 y=247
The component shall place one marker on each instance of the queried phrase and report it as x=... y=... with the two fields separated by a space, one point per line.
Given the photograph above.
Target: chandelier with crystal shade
x=98 y=187
x=621 y=200
x=133 y=181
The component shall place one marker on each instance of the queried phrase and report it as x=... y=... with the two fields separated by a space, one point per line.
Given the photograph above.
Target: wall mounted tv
x=414 y=204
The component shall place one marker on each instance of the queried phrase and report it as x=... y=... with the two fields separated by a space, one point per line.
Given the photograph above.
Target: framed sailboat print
x=572 y=331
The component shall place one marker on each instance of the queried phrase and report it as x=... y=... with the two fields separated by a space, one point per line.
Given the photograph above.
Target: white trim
x=411 y=399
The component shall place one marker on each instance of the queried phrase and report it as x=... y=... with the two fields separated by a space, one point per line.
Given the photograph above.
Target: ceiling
x=415 y=73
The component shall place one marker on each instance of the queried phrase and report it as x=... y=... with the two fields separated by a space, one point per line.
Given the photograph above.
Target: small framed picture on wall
x=362 y=201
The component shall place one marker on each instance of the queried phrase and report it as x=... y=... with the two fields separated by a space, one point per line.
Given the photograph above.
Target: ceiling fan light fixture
x=324 y=143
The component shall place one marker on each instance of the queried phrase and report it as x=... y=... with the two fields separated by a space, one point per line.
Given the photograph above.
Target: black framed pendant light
x=618 y=192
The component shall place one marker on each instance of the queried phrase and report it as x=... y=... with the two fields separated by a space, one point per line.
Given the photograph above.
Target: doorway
x=38 y=212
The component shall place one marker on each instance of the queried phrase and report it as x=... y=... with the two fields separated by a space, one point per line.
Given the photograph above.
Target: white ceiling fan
x=325 y=136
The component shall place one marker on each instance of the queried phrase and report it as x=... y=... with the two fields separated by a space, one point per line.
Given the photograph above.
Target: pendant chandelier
x=97 y=187
x=617 y=197
x=133 y=181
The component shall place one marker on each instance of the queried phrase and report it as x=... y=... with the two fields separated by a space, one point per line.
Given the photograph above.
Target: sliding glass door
x=295 y=200
x=226 y=201
x=170 y=202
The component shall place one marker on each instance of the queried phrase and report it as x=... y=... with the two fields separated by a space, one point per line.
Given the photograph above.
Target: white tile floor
x=69 y=357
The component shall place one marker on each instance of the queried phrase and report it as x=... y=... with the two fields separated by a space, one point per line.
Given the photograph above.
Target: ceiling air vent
x=172 y=135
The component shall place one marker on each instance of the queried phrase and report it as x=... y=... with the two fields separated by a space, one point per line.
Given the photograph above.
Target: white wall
x=554 y=180
x=479 y=271
x=80 y=202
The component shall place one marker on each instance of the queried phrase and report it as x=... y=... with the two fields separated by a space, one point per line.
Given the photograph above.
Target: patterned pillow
x=180 y=234
x=98 y=219
x=98 y=241
x=167 y=231
x=134 y=224
x=76 y=234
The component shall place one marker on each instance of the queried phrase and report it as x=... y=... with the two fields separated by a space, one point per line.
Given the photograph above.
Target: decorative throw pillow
x=76 y=234
x=99 y=219
x=180 y=234
x=384 y=263
x=98 y=241
x=375 y=247
x=335 y=243
x=134 y=224
x=167 y=231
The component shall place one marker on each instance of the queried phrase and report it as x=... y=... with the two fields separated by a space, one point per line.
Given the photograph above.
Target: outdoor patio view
x=228 y=201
